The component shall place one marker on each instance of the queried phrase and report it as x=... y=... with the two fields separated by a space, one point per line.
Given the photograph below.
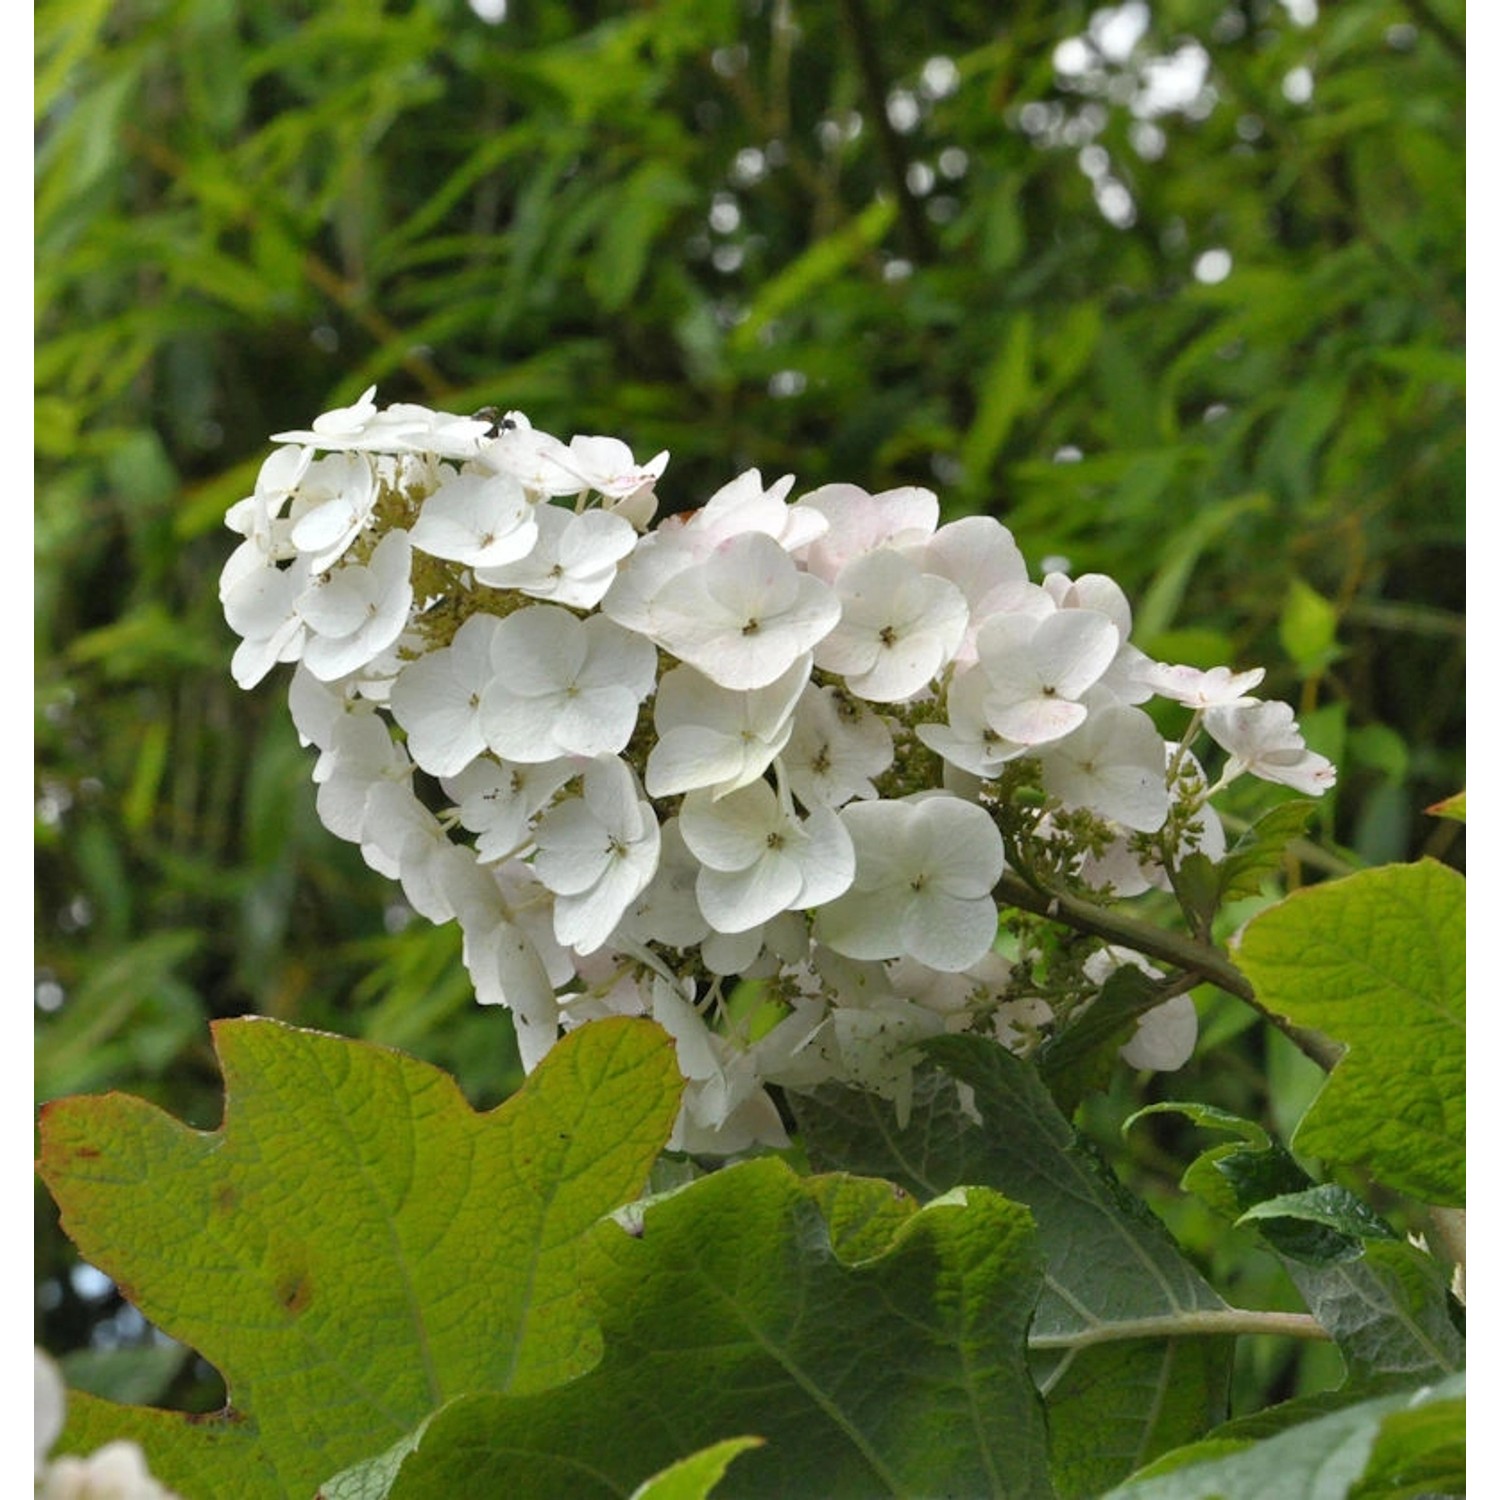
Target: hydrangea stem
x=1217 y=1321
x=1186 y=953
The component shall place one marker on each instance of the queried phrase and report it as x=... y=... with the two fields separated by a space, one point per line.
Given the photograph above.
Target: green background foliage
x=862 y=240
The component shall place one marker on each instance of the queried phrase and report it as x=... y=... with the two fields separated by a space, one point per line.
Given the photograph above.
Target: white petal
x=735 y=901
x=1164 y=1037
x=949 y=932
x=477 y=518
x=730 y=833
x=827 y=862
x=573 y=848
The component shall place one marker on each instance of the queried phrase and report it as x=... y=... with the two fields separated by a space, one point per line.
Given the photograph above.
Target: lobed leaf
x=1383 y=1302
x=1114 y=1397
x=877 y=1348
x=1237 y=1178
x=354 y=1245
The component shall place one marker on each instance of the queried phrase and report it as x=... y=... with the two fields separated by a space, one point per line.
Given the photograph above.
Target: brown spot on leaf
x=295 y=1292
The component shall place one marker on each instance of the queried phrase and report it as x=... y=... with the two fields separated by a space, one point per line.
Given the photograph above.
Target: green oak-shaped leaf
x=355 y=1245
x=1394 y=1446
x=877 y=1348
x=1377 y=961
x=1117 y=1392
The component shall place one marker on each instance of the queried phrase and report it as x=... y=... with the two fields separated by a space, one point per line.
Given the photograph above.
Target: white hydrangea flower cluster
x=761 y=742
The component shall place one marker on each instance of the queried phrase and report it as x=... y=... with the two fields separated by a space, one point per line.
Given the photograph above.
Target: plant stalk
x=1185 y=953
x=1213 y=1321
